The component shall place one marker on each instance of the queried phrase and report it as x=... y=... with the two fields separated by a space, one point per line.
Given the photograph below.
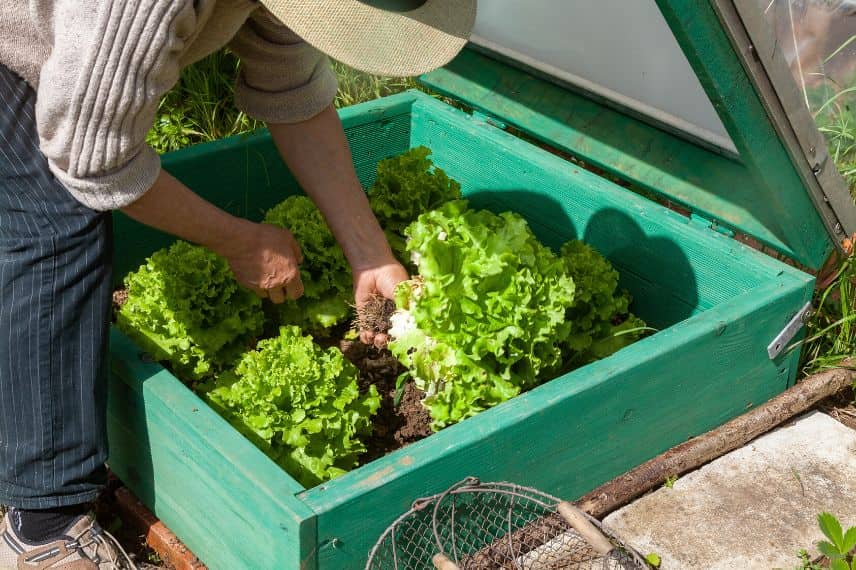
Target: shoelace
x=118 y=556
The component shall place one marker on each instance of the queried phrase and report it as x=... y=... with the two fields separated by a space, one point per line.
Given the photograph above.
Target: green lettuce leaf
x=486 y=317
x=325 y=272
x=600 y=320
x=300 y=404
x=185 y=306
x=406 y=186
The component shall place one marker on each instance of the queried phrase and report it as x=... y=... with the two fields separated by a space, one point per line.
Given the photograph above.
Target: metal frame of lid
x=765 y=64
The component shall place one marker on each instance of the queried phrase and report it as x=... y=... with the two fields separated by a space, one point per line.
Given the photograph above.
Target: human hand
x=380 y=280
x=265 y=259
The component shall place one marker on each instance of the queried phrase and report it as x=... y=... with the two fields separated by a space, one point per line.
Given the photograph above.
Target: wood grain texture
x=231 y=505
x=717 y=301
x=778 y=189
x=743 y=195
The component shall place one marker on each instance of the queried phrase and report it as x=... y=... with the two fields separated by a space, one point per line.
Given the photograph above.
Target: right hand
x=265 y=259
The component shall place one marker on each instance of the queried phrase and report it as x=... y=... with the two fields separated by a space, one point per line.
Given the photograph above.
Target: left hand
x=377 y=280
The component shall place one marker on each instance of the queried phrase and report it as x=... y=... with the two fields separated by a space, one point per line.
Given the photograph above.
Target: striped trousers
x=55 y=284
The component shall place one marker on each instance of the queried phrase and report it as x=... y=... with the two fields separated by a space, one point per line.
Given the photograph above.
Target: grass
x=831 y=334
x=200 y=109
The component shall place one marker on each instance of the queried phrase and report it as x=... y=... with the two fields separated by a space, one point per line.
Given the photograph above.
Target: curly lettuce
x=599 y=317
x=185 y=306
x=300 y=404
x=486 y=317
x=325 y=272
x=406 y=186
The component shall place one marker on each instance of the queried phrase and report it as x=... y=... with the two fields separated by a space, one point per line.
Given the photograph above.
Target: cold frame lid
x=694 y=100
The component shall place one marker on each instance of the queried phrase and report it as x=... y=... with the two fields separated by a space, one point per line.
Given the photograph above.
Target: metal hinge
x=789 y=332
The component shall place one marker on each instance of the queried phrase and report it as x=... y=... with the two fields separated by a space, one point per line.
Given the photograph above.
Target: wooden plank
x=673 y=268
x=780 y=191
x=230 y=504
x=575 y=432
x=715 y=186
x=245 y=175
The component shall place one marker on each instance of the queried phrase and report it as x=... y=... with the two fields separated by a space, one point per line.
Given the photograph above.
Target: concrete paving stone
x=755 y=507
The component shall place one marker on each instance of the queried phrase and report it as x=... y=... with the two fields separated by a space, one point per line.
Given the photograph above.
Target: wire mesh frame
x=481 y=526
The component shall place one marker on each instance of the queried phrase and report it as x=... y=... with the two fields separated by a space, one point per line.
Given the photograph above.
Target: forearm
x=173 y=208
x=317 y=153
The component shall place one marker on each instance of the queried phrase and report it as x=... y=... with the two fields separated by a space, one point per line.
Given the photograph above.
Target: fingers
x=380 y=340
x=294 y=288
x=277 y=295
x=261 y=293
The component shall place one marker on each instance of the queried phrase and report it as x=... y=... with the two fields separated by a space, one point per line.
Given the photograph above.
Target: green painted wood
x=245 y=175
x=760 y=195
x=780 y=189
x=231 y=505
x=718 y=302
x=578 y=431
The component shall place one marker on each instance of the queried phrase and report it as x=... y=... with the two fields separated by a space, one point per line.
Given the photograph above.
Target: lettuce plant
x=185 y=306
x=486 y=317
x=300 y=404
x=325 y=272
x=600 y=321
x=406 y=186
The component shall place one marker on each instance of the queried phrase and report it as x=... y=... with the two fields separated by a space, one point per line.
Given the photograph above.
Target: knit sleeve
x=98 y=93
x=282 y=78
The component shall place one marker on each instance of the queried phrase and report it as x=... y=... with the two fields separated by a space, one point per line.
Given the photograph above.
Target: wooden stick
x=442 y=562
x=707 y=447
x=578 y=521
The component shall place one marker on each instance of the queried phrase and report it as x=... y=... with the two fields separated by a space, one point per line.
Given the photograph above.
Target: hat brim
x=379 y=41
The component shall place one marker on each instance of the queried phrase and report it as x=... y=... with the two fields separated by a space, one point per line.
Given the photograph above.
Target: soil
x=395 y=426
x=120 y=296
x=375 y=315
x=841 y=407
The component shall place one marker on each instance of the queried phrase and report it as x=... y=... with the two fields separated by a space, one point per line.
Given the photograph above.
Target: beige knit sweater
x=100 y=68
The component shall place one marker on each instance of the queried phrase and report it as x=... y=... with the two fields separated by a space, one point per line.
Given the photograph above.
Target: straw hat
x=384 y=37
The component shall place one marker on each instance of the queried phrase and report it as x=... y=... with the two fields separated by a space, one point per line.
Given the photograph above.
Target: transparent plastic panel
x=622 y=51
x=818 y=40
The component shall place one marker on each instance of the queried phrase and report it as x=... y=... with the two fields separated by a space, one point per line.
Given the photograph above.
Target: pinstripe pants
x=55 y=283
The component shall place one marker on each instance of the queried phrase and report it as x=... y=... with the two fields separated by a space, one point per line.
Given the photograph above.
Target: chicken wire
x=489 y=526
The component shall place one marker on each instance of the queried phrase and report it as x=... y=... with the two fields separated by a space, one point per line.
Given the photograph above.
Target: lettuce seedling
x=185 y=306
x=300 y=404
x=325 y=272
x=487 y=315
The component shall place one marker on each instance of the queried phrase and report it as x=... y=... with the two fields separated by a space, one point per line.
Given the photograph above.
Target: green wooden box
x=717 y=303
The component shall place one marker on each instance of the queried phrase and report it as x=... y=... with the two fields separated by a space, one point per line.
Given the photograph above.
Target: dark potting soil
x=395 y=426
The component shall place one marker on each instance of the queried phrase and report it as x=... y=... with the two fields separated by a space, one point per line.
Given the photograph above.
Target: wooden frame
x=718 y=304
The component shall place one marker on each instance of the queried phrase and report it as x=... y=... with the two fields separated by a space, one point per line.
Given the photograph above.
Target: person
x=80 y=81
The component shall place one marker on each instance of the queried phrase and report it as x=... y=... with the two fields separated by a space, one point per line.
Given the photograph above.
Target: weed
x=831 y=333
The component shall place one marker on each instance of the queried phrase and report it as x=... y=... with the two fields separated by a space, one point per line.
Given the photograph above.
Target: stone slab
x=755 y=507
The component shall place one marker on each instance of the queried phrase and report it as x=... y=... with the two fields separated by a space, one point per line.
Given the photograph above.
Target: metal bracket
x=789 y=332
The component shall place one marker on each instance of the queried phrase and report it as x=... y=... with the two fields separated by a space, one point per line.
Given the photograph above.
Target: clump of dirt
x=375 y=315
x=395 y=426
x=120 y=297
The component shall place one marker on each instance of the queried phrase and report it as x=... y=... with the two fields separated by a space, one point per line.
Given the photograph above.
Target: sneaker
x=84 y=546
